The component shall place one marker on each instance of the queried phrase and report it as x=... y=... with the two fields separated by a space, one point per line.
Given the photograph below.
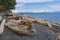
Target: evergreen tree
x=7 y=5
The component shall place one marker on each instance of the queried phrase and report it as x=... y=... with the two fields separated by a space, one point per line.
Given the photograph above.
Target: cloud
x=20 y=4
x=19 y=10
x=45 y=6
x=50 y=8
x=29 y=1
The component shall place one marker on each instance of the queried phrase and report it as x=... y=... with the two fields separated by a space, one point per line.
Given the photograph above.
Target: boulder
x=20 y=28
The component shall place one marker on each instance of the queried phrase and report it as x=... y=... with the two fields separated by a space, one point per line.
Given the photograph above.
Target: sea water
x=54 y=17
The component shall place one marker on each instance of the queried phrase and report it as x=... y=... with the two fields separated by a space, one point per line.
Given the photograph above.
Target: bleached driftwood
x=20 y=28
x=32 y=20
x=2 y=26
x=54 y=26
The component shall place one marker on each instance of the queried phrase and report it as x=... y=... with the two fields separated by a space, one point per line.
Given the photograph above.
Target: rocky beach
x=33 y=29
x=29 y=19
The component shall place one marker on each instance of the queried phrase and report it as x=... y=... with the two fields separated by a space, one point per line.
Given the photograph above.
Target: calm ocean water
x=55 y=17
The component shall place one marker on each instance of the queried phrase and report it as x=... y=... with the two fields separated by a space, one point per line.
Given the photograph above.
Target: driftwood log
x=2 y=26
x=21 y=28
x=32 y=20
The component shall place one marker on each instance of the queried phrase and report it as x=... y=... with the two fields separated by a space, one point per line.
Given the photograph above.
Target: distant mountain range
x=38 y=12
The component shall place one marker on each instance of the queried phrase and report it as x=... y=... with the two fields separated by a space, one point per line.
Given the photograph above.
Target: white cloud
x=28 y=1
x=50 y=8
x=15 y=11
x=19 y=5
x=22 y=2
x=19 y=10
x=35 y=11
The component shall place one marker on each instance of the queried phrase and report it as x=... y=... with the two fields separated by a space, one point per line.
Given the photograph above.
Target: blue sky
x=37 y=6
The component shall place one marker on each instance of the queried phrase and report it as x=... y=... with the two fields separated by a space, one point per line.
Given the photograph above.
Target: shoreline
x=44 y=23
